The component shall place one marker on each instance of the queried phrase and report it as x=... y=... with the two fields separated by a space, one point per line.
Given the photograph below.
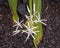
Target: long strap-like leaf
x=13 y=7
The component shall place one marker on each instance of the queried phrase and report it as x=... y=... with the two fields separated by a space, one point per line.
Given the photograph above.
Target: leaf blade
x=13 y=7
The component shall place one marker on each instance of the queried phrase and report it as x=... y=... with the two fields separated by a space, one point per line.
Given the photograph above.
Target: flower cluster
x=29 y=30
x=17 y=25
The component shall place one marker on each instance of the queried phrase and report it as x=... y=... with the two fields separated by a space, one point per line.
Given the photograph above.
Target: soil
x=51 y=32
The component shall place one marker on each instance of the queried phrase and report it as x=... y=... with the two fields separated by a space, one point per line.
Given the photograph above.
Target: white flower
x=29 y=31
x=40 y=20
x=16 y=32
x=18 y=24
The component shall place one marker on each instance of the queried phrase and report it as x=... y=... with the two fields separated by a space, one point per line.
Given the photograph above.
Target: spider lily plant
x=34 y=22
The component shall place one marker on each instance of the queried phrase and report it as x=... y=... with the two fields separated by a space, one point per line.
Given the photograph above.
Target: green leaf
x=39 y=35
x=13 y=7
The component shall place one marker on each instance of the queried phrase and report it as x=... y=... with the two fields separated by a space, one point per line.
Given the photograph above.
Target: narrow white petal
x=24 y=31
x=43 y=20
x=21 y=21
x=36 y=31
x=14 y=25
x=33 y=36
x=17 y=27
x=25 y=26
x=28 y=9
x=43 y=23
x=15 y=21
x=35 y=21
x=20 y=25
x=16 y=32
x=31 y=16
x=34 y=27
x=27 y=17
x=27 y=38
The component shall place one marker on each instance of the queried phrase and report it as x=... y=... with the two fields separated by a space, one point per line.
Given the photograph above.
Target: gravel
x=51 y=32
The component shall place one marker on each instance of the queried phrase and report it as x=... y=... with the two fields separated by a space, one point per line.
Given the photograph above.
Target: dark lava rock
x=22 y=9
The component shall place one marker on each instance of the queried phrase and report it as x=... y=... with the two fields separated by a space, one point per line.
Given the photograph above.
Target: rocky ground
x=51 y=38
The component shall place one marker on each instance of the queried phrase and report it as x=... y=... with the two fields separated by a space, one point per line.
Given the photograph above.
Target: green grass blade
x=13 y=7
